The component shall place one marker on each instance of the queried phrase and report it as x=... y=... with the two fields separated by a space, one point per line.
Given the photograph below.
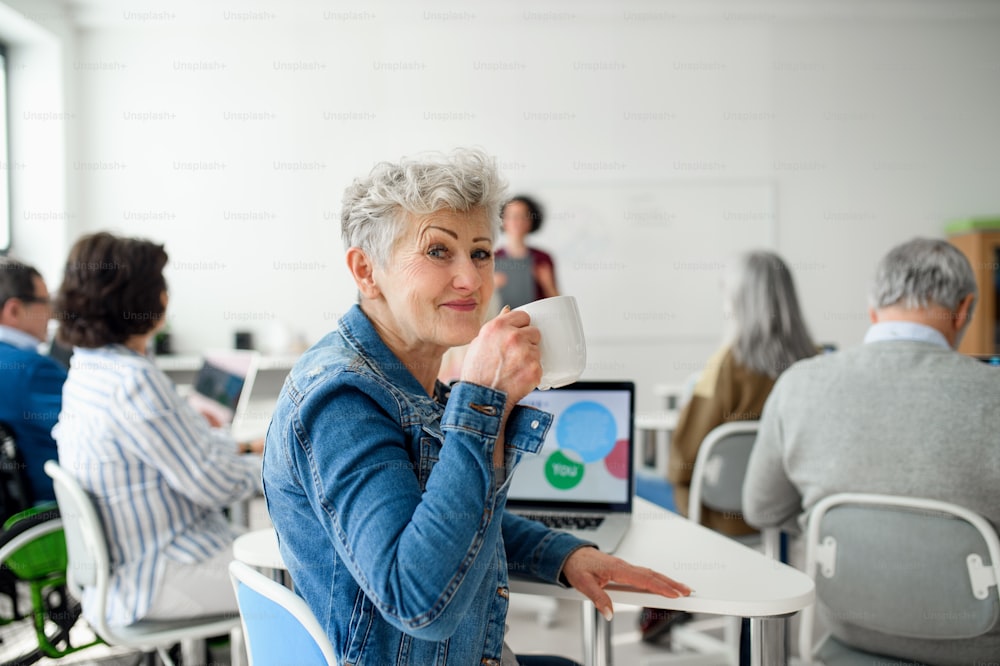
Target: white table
x=727 y=578
x=259 y=549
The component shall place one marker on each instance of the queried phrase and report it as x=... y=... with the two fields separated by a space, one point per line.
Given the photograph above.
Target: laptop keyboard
x=567 y=521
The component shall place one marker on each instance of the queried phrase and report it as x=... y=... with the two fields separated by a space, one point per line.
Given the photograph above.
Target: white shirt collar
x=905 y=330
x=18 y=338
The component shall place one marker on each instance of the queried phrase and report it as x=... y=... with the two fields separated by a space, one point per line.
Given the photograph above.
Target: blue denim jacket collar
x=360 y=333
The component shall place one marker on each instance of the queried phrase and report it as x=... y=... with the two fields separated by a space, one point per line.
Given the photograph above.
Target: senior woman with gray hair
x=388 y=488
x=767 y=334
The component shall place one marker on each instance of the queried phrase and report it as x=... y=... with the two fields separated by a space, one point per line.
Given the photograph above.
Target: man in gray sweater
x=902 y=414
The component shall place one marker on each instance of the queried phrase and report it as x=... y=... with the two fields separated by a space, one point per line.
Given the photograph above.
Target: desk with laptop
x=238 y=387
x=582 y=482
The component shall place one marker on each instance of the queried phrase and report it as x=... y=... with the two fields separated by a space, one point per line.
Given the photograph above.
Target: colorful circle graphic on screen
x=562 y=471
x=589 y=429
x=617 y=461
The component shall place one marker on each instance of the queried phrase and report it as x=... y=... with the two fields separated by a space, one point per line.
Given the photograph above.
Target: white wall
x=664 y=136
x=40 y=43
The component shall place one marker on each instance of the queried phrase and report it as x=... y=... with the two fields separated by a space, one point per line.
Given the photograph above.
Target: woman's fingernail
x=608 y=614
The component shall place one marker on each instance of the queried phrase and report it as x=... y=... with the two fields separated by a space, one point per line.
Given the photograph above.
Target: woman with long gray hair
x=767 y=333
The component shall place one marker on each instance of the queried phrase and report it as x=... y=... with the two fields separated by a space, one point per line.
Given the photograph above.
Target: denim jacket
x=390 y=515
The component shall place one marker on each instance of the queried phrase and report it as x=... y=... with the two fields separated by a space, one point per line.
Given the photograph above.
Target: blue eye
x=481 y=255
x=437 y=251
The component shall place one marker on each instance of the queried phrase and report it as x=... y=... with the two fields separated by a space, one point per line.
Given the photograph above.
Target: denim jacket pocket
x=360 y=629
x=430 y=451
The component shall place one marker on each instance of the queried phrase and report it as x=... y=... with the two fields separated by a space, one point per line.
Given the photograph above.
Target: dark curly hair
x=112 y=289
x=534 y=210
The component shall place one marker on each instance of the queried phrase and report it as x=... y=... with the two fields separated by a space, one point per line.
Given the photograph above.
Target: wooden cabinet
x=982 y=247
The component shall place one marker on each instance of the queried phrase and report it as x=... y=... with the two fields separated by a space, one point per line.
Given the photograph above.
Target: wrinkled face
x=439 y=278
x=516 y=219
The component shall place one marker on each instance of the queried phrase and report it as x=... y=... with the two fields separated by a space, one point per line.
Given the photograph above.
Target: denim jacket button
x=503 y=592
x=535 y=424
x=490 y=662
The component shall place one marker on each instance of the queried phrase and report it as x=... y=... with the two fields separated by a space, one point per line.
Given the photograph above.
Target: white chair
x=90 y=566
x=717 y=483
x=717 y=478
x=719 y=468
x=898 y=565
x=278 y=625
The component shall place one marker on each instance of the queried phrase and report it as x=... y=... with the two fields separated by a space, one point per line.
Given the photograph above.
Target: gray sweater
x=894 y=417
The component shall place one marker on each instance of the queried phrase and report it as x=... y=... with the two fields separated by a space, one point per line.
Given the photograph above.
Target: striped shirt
x=158 y=473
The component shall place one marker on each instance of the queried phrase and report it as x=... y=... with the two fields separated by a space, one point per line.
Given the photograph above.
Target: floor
x=527 y=634
x=535 y=626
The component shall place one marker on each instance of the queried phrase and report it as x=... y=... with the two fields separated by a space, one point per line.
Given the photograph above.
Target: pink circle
x=616 y=462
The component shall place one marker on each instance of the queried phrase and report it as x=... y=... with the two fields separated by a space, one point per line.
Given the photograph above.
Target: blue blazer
x=30 y=400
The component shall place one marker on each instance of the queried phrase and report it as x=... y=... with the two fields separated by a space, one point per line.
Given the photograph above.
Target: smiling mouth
x=463 y=306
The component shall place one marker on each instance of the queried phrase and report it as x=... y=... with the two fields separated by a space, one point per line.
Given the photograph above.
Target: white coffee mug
x=563 y=346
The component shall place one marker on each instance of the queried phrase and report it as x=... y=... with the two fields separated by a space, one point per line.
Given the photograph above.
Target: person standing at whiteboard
x=523 y=274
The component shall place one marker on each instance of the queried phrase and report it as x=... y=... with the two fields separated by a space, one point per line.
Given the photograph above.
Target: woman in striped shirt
x=159 y=475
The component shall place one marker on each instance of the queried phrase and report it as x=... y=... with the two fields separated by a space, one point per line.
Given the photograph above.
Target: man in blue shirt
x=30 y=383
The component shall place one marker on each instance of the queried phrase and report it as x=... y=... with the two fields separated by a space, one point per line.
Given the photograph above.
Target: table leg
x=239 y=513
x=596 y=637
x=768 y=641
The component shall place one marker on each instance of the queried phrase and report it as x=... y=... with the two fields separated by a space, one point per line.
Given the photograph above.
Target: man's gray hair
x=770 y=332
x=376 y=208
x=920 y=273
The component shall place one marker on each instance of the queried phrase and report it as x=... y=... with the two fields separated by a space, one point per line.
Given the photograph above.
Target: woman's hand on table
x=590 y=571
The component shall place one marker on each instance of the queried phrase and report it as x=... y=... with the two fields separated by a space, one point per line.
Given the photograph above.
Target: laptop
x=582 y=480
x=222 y=384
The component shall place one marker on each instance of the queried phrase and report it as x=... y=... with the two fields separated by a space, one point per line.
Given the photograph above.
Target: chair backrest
x=15 y=488
x=86 y=544
x=720 y=467
x=907 y=567
x=278 y=626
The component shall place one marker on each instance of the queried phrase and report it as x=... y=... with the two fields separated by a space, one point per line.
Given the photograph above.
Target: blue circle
x=588 y=428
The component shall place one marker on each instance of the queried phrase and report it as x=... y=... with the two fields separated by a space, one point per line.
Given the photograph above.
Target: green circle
x=562 y=471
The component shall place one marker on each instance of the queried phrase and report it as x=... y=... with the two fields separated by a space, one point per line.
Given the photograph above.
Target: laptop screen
x=586 y=460
x=222 y=382
x=218 y=384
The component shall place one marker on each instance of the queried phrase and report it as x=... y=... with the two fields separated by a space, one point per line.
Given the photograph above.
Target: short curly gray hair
x=375 y=208
x=923 y=272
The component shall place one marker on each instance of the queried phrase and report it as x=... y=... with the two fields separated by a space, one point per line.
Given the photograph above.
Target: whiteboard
x=645 y=260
